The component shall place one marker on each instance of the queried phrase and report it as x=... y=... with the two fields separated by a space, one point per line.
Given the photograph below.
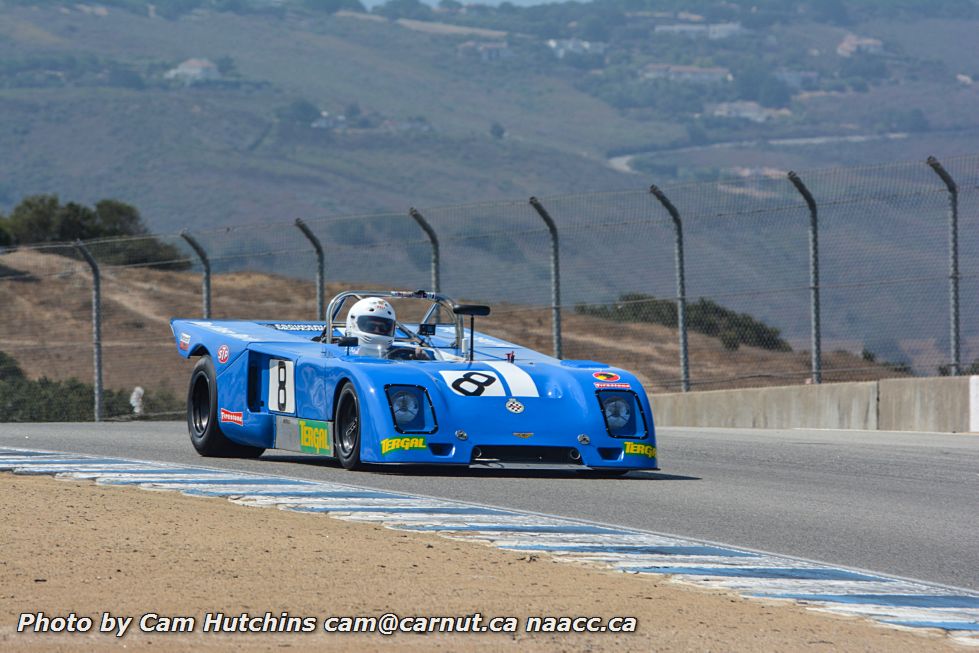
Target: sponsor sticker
x=223 y=354
x=232 y=417
x=617 y=386
x=402 y=444
x=523 y=436
x=639 y=449
x=606 y=376
x=514 y=406
x=185 y=341
x=314 y=437
x=298 y=327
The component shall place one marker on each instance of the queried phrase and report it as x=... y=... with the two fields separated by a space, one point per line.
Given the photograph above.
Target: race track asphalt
x=904 y=504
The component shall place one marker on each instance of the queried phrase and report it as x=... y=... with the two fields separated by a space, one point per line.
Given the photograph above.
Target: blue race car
x=431 y=391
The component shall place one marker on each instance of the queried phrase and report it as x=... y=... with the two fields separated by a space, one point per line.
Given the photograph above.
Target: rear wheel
x=202 y=416
x=346 y=434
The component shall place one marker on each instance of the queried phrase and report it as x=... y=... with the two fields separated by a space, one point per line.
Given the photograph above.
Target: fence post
x=206 y=281
x=953 y=261
x=816 y=335
x=555 y=275
x=96 y=324
x=681 y=286
x=432 y=238
x=320 y=267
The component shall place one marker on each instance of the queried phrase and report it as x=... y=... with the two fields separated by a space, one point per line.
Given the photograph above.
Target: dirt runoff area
x=76 y=547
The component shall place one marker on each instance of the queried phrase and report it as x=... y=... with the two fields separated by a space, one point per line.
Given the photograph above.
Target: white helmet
x=371 y=320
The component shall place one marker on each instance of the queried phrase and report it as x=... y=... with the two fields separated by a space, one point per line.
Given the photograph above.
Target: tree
x=226 y=66
x=119 y=219
x=43 y=219
x=497 y=131
x=333 y=6
x=300 y=111
x=9 y=369
x=5 y=238
x=35 y=219
x=395 y=9
x=755 y=82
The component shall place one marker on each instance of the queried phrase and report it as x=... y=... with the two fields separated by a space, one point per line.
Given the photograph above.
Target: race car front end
x=501 y=414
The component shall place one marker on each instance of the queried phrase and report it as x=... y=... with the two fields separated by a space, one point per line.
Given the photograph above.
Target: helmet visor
x=374 y=325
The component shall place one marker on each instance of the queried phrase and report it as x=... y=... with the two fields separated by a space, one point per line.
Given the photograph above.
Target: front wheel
x=202 y=416
x=346 y=433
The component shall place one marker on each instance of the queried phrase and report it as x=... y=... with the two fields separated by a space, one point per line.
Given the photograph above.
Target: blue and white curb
x=892 y=601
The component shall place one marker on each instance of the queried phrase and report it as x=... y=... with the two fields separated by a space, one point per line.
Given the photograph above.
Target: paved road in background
x=898 y=503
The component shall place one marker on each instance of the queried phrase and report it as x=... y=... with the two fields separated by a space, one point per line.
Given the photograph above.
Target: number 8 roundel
x=474 y=383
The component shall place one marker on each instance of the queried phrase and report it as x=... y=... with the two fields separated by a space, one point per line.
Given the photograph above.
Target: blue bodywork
x=277 y=387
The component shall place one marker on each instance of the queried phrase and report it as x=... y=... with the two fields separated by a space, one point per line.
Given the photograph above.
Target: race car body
x=443 y=394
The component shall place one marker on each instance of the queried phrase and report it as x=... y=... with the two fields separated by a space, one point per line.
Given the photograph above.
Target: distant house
x=194 y=71
x=748 y=111
x=853 y=44
x=713 y=31
x=562 y=47
x=717 y=31
x=330 y=121
x=485 y=51
x=693 y=74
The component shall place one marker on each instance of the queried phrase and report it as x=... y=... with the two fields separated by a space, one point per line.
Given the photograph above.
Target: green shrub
x=703 y=316
x=44 y=219
x=44 y=400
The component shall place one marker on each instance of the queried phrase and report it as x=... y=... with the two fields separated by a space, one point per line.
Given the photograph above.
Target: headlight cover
x=622 y=413
x=411 y=409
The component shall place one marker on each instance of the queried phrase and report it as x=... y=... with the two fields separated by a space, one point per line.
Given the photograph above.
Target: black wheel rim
x=349 y=426
x=200 y=408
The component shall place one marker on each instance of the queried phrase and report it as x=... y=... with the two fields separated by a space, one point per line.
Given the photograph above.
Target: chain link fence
x=594 y=276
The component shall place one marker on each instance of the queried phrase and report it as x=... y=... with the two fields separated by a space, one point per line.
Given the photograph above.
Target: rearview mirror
x=346 y=341
x=477 y=310
x=426 y=329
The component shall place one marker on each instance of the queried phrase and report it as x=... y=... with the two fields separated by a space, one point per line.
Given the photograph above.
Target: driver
x=371 y=320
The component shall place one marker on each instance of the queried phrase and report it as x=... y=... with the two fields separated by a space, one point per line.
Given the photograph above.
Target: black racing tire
x=202 y=416
x=346 y=432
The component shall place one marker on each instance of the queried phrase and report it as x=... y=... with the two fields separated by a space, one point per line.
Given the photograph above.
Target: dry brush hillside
x=45 y=323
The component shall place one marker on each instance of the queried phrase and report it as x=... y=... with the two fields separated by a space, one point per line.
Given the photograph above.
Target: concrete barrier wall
x=945 y=404
x=938 y=404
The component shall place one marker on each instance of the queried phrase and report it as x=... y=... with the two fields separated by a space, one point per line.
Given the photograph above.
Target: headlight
x=405 y=405
x=623 y=414
x=617 y=413
x=411 y=409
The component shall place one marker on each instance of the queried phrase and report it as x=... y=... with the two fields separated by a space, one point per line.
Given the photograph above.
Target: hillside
x=358 y=112
x=46 y=327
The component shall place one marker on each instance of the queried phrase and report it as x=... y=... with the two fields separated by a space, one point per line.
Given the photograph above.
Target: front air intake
x=518 y=454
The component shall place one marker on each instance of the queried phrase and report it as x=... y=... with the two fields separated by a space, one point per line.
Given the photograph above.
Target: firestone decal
x=639 y=449
x=606 y=376
x=401 y=444
x=232 y=417
x=223 y=354
x=617 y=386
